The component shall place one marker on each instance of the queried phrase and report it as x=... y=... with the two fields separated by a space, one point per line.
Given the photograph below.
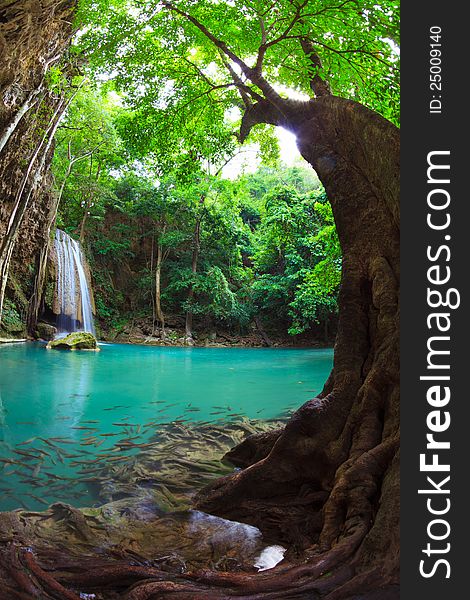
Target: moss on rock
x=79 y=340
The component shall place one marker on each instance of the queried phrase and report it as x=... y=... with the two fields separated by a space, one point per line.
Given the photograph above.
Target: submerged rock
x=79 y=340
x=177 y=542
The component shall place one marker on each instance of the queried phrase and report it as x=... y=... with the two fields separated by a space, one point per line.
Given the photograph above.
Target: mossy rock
x=46 y=331
x=78 y=340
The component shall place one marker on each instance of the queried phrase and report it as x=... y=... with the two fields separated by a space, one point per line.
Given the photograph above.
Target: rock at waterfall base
x=78 y=340
x=45 y=331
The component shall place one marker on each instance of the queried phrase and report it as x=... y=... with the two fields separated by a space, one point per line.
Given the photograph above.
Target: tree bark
x=158 y=273
x=194 y=261
x=89 y=203
x=30 y=101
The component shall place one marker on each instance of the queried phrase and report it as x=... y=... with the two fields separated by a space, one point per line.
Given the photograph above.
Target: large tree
x=326 y=484
x=327 y=71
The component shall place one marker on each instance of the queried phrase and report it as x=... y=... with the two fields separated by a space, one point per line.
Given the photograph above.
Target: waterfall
x=73 y=292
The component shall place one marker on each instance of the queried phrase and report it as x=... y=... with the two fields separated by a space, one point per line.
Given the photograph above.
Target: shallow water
x=127 y=391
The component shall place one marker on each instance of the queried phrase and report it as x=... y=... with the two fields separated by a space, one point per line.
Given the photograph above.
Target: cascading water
x=73 y=293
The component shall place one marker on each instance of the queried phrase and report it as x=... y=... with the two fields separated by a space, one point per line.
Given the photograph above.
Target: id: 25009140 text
x=435 y=70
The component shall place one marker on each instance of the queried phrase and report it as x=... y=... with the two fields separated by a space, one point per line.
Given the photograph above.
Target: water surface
x=48 y=398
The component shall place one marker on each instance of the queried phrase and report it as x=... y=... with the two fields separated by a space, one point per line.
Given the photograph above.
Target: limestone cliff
x=34 y=37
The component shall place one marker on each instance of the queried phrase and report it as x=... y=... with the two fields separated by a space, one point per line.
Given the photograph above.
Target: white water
x=72 y=286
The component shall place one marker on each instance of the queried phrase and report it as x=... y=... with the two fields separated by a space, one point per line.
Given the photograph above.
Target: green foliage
x=172 y=71
x=11 y=318
x=217 y=299
x=117 y=245
x=297 y=259
x=88 y=153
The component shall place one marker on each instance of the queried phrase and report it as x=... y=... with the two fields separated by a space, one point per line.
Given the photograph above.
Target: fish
x=109 y=434
x=54 y=476
x=85 y=428
x=88 y=471
x=40 y=500
x=27 y=442
x=89 y=421
x=143 y=445
x=26 y=454
x=124 y=424
x=44 y=452
x=48 y=442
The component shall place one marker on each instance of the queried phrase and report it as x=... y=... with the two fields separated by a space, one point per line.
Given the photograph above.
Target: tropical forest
x=199 y=299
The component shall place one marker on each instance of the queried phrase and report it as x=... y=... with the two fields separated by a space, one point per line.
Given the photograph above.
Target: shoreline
x=279 y=346
x=214 y=346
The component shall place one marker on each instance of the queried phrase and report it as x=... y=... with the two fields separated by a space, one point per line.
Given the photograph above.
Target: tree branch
x=255 y=77
x=283 y=36
x=319 y=86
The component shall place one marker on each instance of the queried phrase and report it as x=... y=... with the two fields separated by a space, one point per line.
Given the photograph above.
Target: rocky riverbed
x=146 y=516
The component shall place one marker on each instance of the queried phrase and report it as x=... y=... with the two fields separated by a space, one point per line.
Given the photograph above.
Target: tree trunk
x=152 y=252
x=194 y=261
x=329 y=483
x=88 y=205
x=30 y=101
x=36 y=300
x=158 y=272
x=262 y=332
